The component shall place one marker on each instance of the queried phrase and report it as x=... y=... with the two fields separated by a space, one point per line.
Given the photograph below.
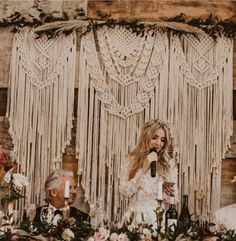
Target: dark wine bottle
x=184 y=217
x=171 y=215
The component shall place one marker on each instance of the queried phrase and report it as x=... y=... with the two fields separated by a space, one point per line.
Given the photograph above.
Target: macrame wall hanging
x=40 y=104
x=126 y=80
x=200 y=104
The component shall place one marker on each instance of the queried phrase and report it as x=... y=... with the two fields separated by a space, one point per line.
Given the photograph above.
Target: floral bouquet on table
x=11 y=183
x=127 y=232
x=66 y=230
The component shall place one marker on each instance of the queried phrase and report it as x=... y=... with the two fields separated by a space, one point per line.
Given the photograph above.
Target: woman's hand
x=167 y=188
x=152 y=156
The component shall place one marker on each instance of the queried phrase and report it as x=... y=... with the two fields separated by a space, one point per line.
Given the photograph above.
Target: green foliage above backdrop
x=53 y=24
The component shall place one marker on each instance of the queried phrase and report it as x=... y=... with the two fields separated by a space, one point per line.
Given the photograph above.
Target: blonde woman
x=149 y=165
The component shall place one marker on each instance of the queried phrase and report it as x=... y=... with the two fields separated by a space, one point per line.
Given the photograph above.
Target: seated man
x=55 y=188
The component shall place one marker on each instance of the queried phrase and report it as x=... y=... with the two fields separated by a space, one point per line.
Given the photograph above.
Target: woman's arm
x=128 y=187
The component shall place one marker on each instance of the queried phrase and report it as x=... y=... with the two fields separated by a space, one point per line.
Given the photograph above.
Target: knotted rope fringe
x=186 y=82
x=40 y=104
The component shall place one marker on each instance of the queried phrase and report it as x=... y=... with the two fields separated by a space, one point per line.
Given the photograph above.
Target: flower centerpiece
x=74 y=230
x=66 y=230
x=11 y=183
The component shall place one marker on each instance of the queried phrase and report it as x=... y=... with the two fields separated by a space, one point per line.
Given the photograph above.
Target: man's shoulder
x=75 y=212
x=40 y=207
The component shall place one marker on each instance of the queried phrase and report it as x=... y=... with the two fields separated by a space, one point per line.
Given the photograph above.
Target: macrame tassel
x=40 y=105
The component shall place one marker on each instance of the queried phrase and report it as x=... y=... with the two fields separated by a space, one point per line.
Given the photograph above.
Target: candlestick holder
x=159 y=213
x=66 y=209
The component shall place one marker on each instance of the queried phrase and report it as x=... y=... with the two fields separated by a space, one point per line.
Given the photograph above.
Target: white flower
x=113 y=237
x=91 y=239
x=142 y=236
x=67 y=234
x=102 y=234
x=154 y=234
x=7 y=176
x=131 y=227
x=20 y=180
x=123 y=237
x=146 y=231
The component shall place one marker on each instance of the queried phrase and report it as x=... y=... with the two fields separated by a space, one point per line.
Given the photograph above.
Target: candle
x=159 y=190
x=67 y=189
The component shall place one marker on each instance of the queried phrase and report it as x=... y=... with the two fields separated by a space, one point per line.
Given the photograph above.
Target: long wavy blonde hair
x=138 y=157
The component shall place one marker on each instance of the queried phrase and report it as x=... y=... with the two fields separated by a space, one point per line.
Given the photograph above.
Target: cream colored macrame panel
x=201 y=71
x=40 y=104
x=104 y=133
x=186 y=82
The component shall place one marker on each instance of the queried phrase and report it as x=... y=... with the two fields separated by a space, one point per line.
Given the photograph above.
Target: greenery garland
x=72 y=230
x=179 y=24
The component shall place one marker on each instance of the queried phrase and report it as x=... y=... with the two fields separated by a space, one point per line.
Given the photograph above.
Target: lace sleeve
x=128 y=187
x=173 y=177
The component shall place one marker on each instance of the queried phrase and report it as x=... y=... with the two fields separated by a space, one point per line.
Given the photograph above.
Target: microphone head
x=157 y=150
x=153 y=149
x=153 y=168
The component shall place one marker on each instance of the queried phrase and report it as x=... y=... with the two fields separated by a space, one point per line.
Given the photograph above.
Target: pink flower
x=71 y=221
x=15 y=237
x=214 y=238
x=101 y=234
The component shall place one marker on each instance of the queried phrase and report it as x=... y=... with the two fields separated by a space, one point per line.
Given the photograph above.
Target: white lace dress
x=142 y=193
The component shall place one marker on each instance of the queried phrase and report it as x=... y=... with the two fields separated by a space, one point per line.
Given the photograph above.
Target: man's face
x=58 y=200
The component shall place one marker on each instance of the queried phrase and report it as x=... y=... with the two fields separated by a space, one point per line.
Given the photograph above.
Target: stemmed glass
x=30 y=212
x=1 y=217
x=46 y=214
x=16 y=218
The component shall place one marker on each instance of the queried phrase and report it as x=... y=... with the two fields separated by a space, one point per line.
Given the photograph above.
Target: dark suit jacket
x=74 y=213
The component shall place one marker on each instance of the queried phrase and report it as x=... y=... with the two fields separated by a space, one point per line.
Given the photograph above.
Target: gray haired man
x=55 y=189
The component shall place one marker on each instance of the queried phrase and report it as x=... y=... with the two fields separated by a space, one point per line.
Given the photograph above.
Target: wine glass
x=1 y=217
x=46 y=214
x=30 y=212
x=15 y=218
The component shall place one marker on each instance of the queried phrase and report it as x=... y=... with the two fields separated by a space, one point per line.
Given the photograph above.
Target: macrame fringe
x=185 y=82
x=40 y=105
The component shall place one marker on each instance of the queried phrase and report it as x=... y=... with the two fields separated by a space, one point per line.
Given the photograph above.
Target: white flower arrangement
x=103 y=234
x=67 y=235
x=13 y=185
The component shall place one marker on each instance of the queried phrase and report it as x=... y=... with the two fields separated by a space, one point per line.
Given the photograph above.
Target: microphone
x=153 y=165
x=153 y=168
